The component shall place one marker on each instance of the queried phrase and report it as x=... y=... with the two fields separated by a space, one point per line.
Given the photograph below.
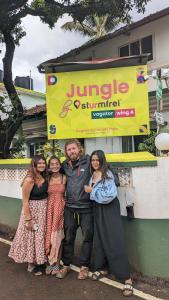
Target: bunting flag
x=159 y=90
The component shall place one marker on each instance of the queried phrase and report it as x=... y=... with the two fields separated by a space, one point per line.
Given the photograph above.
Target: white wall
x=109 y=145
x=28 y=98
x=149 y=191
x=31 y=100
x=11 y=188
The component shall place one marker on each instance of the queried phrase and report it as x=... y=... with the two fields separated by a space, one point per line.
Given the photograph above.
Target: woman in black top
x=29 y=242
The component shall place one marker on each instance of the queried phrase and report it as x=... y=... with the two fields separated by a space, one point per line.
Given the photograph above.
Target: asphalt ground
x=17 y=284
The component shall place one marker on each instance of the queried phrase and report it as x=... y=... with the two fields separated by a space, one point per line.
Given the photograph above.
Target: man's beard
x=74 y=157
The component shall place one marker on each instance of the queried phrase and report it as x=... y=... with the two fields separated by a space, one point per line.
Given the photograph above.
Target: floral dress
x=55 y=221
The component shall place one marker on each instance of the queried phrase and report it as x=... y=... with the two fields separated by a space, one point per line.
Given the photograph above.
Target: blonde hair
x=79 y=145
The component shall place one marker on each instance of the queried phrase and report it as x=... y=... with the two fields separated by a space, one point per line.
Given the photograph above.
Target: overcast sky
x=41 y=44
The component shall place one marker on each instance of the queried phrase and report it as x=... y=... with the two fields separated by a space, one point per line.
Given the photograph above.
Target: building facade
x=148 y=35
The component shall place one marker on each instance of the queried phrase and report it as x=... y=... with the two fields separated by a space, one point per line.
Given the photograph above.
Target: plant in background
x=49 y=149
x=93 y=26
x=149 y=143
x=17 y=150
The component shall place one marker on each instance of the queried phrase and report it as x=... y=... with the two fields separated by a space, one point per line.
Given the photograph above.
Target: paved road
x=17 y=284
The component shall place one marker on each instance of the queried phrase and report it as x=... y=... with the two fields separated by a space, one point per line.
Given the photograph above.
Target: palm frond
x=77 y=26
x=94 y=26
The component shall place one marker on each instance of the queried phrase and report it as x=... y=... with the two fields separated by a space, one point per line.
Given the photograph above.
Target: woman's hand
x=29 y=225
x=87 y=188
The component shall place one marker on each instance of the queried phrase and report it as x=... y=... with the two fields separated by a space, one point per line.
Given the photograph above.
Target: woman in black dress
x=109 y=246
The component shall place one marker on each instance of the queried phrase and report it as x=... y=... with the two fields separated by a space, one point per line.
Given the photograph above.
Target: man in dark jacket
x=78 y=208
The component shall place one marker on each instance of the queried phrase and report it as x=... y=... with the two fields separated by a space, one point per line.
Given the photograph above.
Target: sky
x=41 y=44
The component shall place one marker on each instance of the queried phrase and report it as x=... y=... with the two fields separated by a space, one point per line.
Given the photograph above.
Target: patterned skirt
x=29 y=246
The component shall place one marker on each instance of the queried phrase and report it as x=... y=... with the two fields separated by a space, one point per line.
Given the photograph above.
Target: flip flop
x=98 y=275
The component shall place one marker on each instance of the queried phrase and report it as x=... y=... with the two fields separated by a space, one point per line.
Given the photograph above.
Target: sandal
x=61 y=274
x=98 y=275
x=55 y=269
x=31 y=267
x=84 y=273
x=127 y=290
x=49 y=270
x=38 y=270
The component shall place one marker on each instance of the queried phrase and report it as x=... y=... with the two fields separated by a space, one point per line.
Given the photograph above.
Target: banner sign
x=97 y=103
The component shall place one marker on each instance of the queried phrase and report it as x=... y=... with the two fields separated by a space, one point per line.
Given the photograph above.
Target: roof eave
x=92 y=65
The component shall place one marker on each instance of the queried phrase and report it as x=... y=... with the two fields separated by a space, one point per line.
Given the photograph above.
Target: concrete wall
x=146 y=236
x=10 y=209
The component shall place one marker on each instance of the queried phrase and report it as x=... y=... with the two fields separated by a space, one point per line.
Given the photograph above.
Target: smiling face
x=54 y=165
x=95 y=162
x=73 y=151
x=41 y=166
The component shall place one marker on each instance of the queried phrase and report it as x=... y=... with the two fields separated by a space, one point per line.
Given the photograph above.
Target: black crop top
x=39 y=193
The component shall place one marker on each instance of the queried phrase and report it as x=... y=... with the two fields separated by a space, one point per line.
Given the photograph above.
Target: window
x=124 y=51
x=146 y=46
x=126 y=144
x=142 y=46
x=33 y=147
x=32 y=150
x=135 y=48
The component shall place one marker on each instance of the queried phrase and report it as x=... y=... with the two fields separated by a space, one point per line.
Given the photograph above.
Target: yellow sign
x=97 y=103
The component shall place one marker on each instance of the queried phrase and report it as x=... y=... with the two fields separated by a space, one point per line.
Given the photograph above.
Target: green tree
x=49 y=149
x=11 y=31
x=93 y=26
x=7 y=112
x=149 y=143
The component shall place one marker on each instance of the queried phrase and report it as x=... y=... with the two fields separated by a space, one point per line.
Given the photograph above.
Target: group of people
x=59 y=198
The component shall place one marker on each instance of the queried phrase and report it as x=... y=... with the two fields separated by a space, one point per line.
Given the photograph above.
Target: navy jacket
x=78 y=175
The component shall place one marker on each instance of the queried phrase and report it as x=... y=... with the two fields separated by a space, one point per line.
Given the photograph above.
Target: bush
x=49 y=149
x=149 y=143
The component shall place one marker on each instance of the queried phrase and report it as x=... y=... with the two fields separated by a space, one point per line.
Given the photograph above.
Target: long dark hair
x=32 y=172
x=51 y=158
x=102 y=161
